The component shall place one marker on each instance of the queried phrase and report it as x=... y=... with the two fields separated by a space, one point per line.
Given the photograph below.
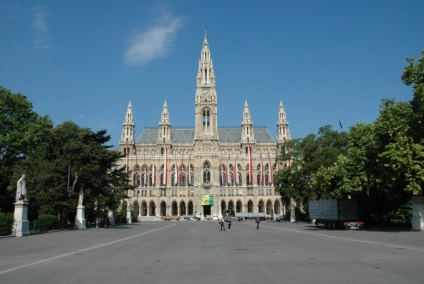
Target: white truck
x=250 y=215
x=335 y=213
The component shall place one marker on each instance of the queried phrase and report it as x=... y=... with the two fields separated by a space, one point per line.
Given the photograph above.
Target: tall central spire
x=206 y=97
x=205 y=75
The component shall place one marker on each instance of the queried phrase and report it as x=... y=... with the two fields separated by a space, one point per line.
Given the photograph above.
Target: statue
x=21 y=193
x=80 y=197
x=80 y=222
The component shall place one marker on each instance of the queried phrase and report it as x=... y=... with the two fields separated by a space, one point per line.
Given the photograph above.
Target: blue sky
x=326 y=60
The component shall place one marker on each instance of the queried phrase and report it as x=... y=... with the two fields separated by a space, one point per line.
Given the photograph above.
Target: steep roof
x=186 y=135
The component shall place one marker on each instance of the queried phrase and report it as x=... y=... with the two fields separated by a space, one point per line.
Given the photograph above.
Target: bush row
x=6 y=224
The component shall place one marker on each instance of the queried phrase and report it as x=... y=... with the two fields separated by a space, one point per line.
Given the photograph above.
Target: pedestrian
x=229 y=223
x=222 y=223
x=258 y=220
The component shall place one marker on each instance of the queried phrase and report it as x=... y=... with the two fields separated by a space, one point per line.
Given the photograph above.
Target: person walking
x=222 y=223
x=229 y=223
x=258 y=220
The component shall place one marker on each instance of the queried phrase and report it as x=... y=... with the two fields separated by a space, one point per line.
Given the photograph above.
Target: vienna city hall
x=206 y=170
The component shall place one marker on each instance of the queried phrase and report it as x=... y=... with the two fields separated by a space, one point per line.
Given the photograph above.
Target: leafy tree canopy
x=75 y=158
x=414 y=75
x=305 y=157
x=21 y=132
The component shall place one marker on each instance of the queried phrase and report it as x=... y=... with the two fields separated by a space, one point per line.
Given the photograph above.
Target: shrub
x=120 y=216
x=6 y=223
x=134 y=215
x=47 y=222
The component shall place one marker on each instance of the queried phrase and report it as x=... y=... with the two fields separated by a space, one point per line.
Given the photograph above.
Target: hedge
x=47 y=222
x=6 y=223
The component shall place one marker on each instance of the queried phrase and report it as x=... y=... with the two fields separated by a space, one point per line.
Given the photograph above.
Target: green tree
x=75 y=158
x=306 y=156
x=383 y=167
x=414 y=75
x=21 y=132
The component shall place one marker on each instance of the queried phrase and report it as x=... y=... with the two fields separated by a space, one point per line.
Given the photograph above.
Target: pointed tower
x=206 y=122
x=247 y=133
x=164 y=134
x=128 y=133
x=283 y=131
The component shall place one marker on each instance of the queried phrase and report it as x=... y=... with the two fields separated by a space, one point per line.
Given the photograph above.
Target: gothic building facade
x=205 y=170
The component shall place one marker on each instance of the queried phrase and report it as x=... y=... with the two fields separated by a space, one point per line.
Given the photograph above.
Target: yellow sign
x=207 y=200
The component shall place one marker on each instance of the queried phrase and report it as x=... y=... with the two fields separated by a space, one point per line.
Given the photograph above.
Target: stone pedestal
x=292 y=210
x=111 y=218
x=417 y=213
x=21 y=225
x=80 y=218
x=129 y=218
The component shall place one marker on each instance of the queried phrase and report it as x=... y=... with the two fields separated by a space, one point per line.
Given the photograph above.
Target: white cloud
x=40 y=15
x=40 y=26
x=155 y=42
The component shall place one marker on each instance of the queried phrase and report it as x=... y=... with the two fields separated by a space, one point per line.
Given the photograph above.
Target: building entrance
x=206 y=210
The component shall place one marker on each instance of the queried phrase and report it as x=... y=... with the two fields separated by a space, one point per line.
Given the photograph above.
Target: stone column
x=129 y=219
x=21 y=223
x=138 y=204
x=111 y=218
x=80 y=222
x=417 y=213
x=292 y=210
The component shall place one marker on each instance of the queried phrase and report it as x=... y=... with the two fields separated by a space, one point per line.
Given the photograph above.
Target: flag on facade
x=154 y=175
x=165 y=167
x=182 y=170
x=189 y=174
x=262 y=170
x=271 y=172
x=220 y=172
x=145 y=169
x=228 y=171
x=176 y=172
x=236 y=177
x=250 y=164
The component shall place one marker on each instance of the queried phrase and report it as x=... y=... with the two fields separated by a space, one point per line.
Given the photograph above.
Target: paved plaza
x=198 y=252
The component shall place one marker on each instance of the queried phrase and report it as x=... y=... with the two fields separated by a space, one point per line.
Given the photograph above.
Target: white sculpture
x=21 y=209
x=80 y=197
x=80 y=222
x=21 y=193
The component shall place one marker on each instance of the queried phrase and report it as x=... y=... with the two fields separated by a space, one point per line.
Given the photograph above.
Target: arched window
x=231 y=173
x=136 y=168
x=191 y=175
x=222 y=175
x=206 y=172
x=162 y=175
x=239 y=174
x=206 y=119
x=248 y=181
x=137 y=179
